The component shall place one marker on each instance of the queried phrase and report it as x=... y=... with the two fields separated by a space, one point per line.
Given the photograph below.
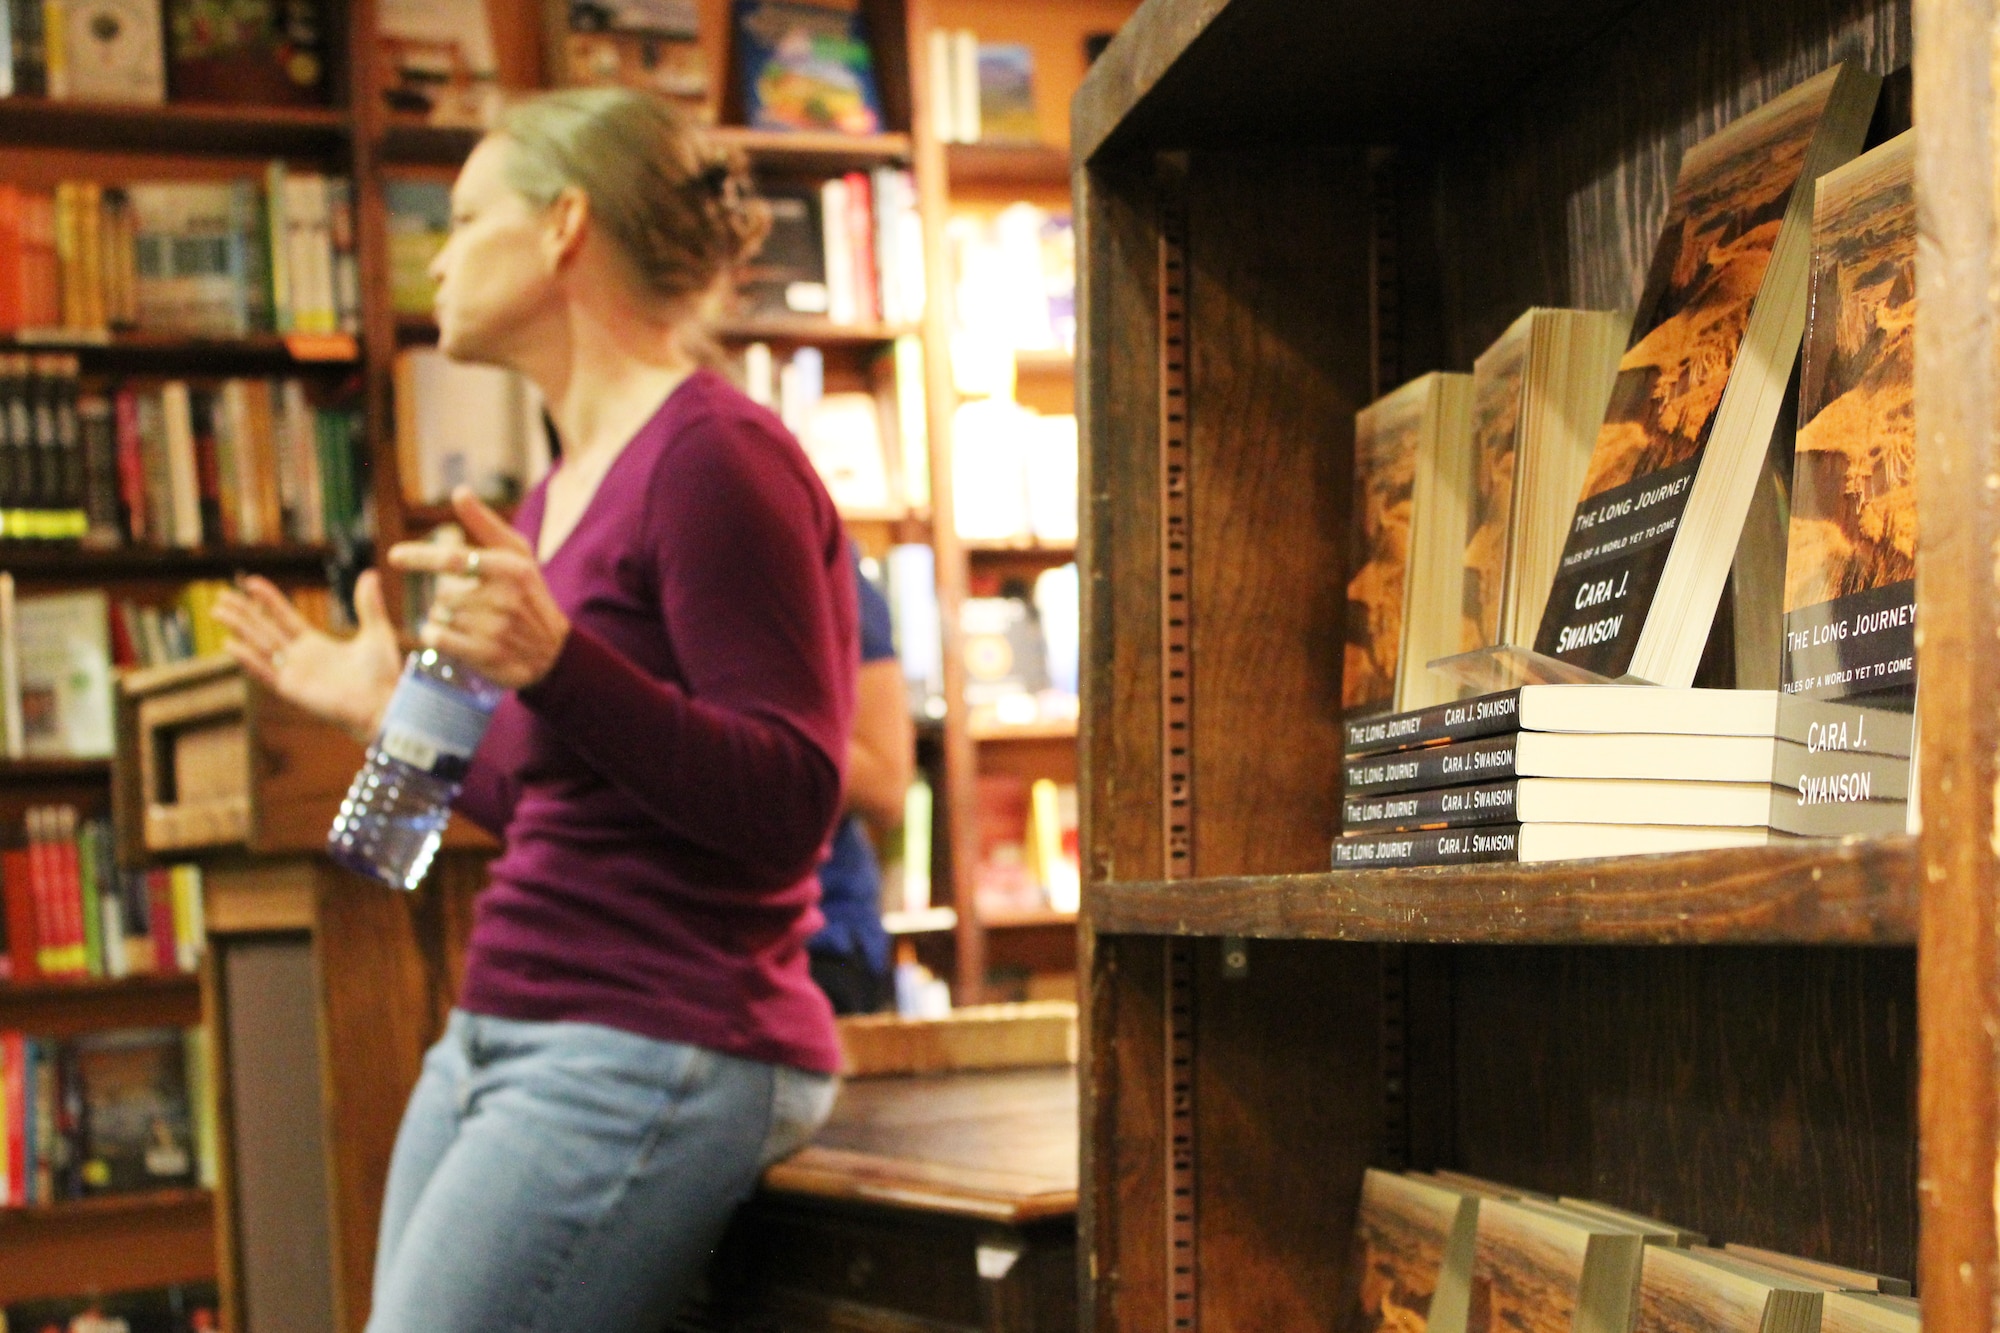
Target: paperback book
x=1698 y=392
x=1411 y=1258
x=1849 y=666
x=1534 y=842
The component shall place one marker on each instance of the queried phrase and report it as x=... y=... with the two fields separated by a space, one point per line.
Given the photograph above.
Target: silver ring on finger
x=441 y=614
x=472 y=560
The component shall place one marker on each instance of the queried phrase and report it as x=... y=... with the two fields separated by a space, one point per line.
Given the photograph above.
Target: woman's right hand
x=346 y=681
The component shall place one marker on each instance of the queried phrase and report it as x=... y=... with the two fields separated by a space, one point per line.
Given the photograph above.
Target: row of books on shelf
x=223 y=259
x=1014 y=473
x=871 y=447
x=982 y=92
x=1454 y=1253
x=1013 y=289
x=1021 y=642
x=177 y=464
x=121 y=1111
x=72 y=912
x=849 y=250
x=1569 y=515
x=1027 y=850
x=193 y=1307
x=142 y=51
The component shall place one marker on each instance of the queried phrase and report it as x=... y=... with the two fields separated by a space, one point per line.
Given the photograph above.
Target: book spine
x=1447 y=807
x=48 y=469
x=183 y=475
x=1438 y=847
x=225 y=458
x=160 y=921
x=11 y=259
x=1462 y=720
x=277 y=248
x=131 y=462
x=55 y=50
x=14 y=1096
x=965 y=85
x=81 y=858
x=30 y=63
x=6 y=50
x=1485 y=760
x=841 y=304
x=69 y=888
x=861 y=236
x=207 y=470
x=23 y=943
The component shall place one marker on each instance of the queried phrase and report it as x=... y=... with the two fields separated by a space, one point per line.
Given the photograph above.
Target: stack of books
x=1546 y=772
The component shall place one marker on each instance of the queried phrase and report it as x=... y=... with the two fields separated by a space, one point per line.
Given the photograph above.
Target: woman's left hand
x=493 y=610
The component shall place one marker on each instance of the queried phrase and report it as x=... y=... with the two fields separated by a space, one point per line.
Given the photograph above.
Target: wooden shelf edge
x=1858 y=891
x=60 y=561
x=78 y=988
x=1027 y=920
x=414 y=143
x=136 y=1204
x=1007 y=164
x=1055 y=729
x=184 y=127
x=805 y=330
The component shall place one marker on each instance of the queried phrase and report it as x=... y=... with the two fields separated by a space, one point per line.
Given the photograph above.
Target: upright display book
x=1698 y=392
x=1412 y=1256
x=1849 y=669
x=1536 y=394
x=805 y=67
x=1395 y=438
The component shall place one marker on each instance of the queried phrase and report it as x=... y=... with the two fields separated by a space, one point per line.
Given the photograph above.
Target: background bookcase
x=1285 y=209
x=115 y=1244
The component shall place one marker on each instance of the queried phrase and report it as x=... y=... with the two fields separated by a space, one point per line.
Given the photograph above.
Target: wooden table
x=940 y=1202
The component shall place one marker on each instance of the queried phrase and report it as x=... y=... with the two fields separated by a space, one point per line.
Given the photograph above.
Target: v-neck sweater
x=665 y=793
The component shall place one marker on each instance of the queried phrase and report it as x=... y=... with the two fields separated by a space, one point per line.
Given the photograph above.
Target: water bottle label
x=432 y=726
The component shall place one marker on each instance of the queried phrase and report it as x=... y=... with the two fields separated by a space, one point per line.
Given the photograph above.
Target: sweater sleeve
x=489 y=794
x=747 y=760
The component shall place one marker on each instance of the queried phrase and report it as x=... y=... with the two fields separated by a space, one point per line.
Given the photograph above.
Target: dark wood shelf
x=1007 y=164
x=1053 y=552
x=108 y=1205
x=805 y=329
x=64 y=1006
x=414 y=143
x=81 y=564
x=53 y=770
x=1032 y=362
x=176 y=127
x=1048 y=729
x=1818 y=892
x=166 y=352
x=113 y=1243
x=806 y=150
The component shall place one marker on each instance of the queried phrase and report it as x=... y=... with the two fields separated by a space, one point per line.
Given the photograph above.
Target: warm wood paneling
x=1279 y=364
x=1759 y=1095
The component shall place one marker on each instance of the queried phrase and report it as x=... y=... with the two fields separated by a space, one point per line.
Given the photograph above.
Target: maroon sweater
x=666 y=791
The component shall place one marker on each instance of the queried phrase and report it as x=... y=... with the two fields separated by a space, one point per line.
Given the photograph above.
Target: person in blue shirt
x=850 y=954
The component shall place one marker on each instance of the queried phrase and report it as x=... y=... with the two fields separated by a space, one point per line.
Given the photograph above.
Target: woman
x=675 y=617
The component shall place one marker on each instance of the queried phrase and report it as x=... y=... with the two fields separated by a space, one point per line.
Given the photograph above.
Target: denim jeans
x=565 y=1176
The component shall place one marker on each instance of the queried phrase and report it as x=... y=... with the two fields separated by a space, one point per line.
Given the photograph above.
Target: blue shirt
x=850 y=880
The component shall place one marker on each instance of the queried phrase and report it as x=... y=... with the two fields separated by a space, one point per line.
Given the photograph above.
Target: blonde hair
x=681 y=210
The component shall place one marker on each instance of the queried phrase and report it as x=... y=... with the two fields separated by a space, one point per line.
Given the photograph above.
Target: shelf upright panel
x=1957 y=112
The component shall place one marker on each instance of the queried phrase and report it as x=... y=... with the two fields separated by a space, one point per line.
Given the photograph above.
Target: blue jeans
x=565 y=1176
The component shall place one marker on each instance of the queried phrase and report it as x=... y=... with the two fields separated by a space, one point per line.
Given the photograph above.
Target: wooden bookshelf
x=176 y=127
x=1007 y=165
x=114 y=1243
x=1048 y=729
x=63 y=1007
x=139 y=353
x=805 y=329
x=1751 y=1042
x=56 y=561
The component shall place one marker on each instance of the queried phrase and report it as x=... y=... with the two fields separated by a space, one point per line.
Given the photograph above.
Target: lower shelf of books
x=1856 y=891
x=113 y=1243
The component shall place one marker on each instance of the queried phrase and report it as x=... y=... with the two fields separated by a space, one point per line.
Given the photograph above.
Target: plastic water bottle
x=394 y=816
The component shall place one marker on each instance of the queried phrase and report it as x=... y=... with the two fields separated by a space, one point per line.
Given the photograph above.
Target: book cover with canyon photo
x=1849 y=669
x=1386 y=435
x=1496 y=418
x=1527 y=1271
x=1403 y=1231
x=1700 y=326
x=1852 y=544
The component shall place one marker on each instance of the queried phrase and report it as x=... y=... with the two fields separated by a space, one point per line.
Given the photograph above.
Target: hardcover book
x=1849 y=667
x=1676 y=462
x=1395 y=438
x=1411 y=1258
x=805 y=68
x=138 y=1120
